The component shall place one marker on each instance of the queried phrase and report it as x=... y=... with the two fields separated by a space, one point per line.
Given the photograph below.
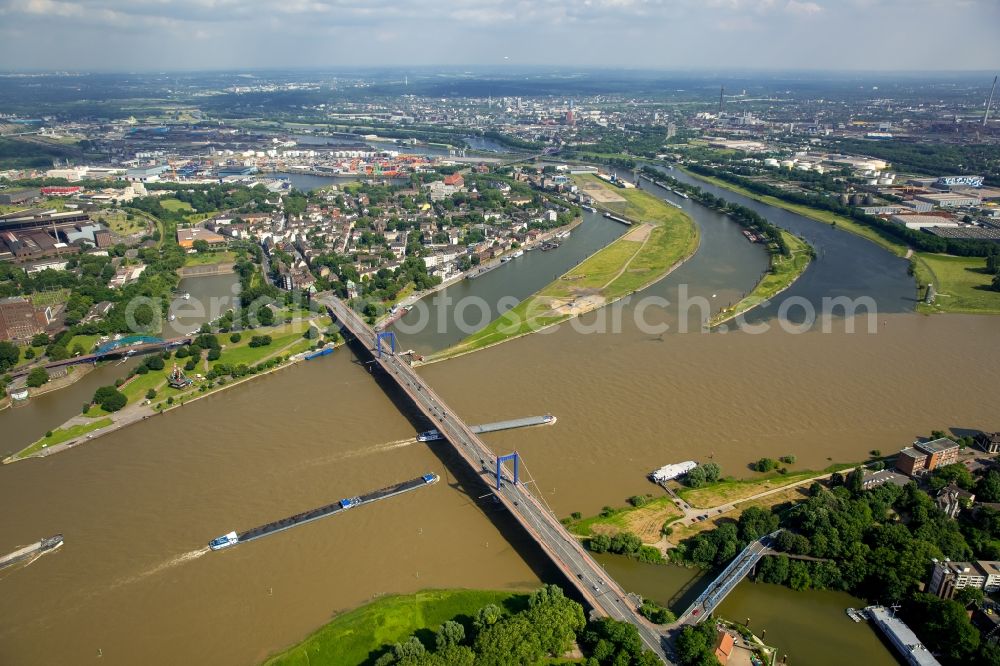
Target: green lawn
x=628 y=264
x=619 y=518
x=174 y=205
x=730 y=490
x=242 y=352
x=61 y=435
x=38 y=352
x=784 y=271
x=962 y=283
x=357 y=636
x=86 y=341
x=206 y=258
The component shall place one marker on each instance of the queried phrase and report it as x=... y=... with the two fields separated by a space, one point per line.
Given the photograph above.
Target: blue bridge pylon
x=501 y=460
x=388 y=336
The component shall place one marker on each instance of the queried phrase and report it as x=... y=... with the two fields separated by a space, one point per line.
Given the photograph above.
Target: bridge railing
x=734 y=572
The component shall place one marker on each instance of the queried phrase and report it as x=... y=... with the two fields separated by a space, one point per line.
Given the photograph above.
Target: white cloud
x=803 y=8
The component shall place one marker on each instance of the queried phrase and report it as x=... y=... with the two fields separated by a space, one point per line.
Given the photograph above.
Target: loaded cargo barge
x=34 y=549
x=233 y=538
x=618 y=219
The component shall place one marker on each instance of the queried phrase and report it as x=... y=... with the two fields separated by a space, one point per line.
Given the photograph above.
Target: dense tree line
x=743 y=216
x=544 y=630
x=917 y=239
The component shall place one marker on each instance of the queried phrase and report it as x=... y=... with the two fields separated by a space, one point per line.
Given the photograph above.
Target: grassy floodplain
x=352 y=638
x=659 y=241
x=962 y=284
x=783 y=273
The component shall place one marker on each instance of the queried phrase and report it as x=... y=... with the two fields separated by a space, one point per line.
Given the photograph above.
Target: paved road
x=601 y=592
x=735 y=571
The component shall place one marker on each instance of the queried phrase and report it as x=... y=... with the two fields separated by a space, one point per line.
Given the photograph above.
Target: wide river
x=134 y=583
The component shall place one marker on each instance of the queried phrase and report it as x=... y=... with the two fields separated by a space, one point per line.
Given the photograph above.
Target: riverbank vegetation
x=661 y=238
x=465 y=627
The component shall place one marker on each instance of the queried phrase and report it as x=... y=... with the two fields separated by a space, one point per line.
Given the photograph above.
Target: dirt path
x=645 y=231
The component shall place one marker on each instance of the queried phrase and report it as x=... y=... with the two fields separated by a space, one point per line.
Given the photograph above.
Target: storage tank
x=857 y=199
x=869 y=200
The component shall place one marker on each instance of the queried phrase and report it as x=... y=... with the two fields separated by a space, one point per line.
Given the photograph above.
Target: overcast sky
x=649 y=34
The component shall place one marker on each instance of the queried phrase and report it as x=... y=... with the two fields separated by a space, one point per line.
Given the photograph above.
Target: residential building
x=951 y=499
x=911 y=461
x=941 y=452
x=948 y=577
x=925 y=457
x=455 y=180
x=725 y=647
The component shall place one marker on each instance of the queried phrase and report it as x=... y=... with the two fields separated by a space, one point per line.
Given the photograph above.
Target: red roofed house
x=725 y=648
x=455 y=179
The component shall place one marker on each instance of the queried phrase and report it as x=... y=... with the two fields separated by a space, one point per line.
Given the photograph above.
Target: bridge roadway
x=116 y=352
x=735 y=571
x=595 y=586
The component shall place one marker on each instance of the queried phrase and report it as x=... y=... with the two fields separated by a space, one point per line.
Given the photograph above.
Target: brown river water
x=138 y=506
x=134 y=582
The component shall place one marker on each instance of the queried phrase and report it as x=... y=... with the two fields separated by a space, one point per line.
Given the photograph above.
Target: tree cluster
x=546 y=628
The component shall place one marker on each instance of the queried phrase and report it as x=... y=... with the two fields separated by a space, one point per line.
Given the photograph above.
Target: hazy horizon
x=842 y=36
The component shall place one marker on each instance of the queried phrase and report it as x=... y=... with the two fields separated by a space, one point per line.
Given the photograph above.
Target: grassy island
x=784 y=271
x=661 y=238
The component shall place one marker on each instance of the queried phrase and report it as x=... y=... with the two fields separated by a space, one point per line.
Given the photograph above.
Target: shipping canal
x=845 y=265
x=134 y=581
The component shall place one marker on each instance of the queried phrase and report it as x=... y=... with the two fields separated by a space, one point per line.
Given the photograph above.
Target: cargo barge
x=618 y=219
x=37 y=548
x=233 y=538
x=434 y=435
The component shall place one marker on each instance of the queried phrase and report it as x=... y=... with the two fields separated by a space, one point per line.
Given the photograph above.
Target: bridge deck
x=594 y=585
x=718 y=589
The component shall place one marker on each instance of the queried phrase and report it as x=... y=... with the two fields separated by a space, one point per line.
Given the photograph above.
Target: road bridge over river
x=602 y=593
x=735 y=571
